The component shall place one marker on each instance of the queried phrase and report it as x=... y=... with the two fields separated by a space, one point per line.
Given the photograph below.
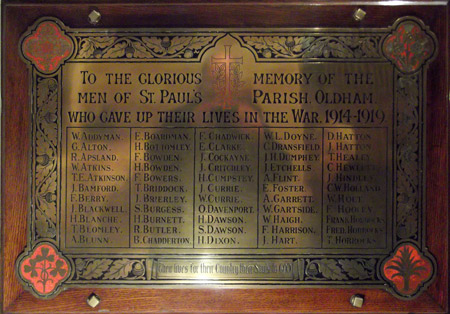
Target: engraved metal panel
x=262 y=157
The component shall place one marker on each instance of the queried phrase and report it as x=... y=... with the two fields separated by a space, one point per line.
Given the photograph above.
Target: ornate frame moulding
x=408 y=45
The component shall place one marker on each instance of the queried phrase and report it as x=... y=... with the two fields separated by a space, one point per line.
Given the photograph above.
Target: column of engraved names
x=97 y=164
x=355 y=189
x=290 y=199
x=162 y=172
x=226 y=188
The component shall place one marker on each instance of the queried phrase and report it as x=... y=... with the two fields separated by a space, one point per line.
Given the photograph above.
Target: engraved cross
x=224 y=71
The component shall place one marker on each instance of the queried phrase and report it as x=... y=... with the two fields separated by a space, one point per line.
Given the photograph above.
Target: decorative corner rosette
x=410 y=45
x=408 y=271
x=47 y=46
x=43 y=270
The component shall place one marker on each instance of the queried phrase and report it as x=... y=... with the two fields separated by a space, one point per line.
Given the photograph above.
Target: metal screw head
x=357 y=300
x=94 y=17
x=93 y=300
x=359 y=14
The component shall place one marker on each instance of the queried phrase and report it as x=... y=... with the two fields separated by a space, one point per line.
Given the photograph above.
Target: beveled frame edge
x=216 y=2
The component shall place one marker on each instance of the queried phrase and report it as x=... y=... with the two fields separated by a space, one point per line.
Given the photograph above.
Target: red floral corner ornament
x=408 y=47
x=407 y=269
x=44 y=269
x=47 y=47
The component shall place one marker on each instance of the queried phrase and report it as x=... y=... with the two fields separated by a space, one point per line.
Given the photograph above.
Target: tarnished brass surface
x=178 y=166
x=253 y=157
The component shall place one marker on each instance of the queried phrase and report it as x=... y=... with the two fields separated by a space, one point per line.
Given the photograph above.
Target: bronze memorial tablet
x=232 y=157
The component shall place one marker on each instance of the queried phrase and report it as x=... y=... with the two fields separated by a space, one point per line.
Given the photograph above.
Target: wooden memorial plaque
x=225 y=157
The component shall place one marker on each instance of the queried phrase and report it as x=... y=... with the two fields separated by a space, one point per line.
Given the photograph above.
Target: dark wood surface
x=18 y=15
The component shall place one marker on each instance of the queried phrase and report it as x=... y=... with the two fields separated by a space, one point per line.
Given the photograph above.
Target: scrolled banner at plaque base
x=231 y=157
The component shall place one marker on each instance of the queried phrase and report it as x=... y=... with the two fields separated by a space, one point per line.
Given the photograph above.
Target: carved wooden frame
x=13 y=156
